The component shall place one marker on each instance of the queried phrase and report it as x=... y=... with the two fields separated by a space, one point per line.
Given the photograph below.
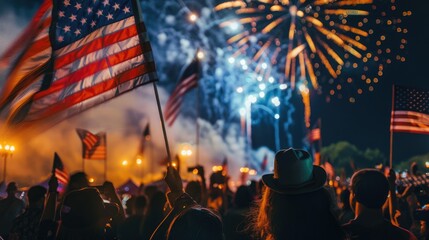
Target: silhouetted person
x=26 y=226
x=187 y=220
x=155 y=214
x=194 y=189
x=369 y=189
x=295 y=205
x=346 y=213
x=131 y=227
x=84 y=215
x=77 y=181
x=10 y=208
x=235 y=217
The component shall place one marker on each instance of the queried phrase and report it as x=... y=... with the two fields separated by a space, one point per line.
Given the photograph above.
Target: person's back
x=235 y=218
x=10 y=208
x=369 y=189
x=294 y=204
x=26 y=226
x=382 y=230
x=131 y=227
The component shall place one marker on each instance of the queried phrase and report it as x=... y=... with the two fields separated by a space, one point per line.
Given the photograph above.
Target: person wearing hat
x=295 y=204
x=369 y=190
x=84 y=215
x=10 y=208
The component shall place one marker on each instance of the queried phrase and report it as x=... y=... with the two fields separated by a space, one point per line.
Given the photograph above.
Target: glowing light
x=124 y=163
x=193 y=17
x=261 y=94
x=195 y=171
x=243 y=62
x=200 y=55
x=252 y=172
x=262 y=86
x=427 y=164
x=259 y=78
x=244 y=169
x=275 y=101
x=217 y=168
x=242 y=111
x=231 y=60
x=264 y=66
x=283 y=86
x=252 y=99
x=91 y=180
x=240 y=89
x=139 y=161
x=270 y=79
x=276 y=116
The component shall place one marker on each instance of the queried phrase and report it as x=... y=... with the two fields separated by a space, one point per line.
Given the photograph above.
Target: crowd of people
x=293 y=202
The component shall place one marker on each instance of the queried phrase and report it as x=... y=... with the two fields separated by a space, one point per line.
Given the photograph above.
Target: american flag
x=315 y=134
x=188 y=81
x=410 y=111
x=79 y=54
x=59 y=171
x=315 y=139
x=93 y=145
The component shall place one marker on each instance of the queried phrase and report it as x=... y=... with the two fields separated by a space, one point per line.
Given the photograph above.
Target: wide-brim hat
x=294 y=173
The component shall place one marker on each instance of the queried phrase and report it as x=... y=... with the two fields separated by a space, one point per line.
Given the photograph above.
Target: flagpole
x=391 y=132
x=197 y=137
x=320 y=139
x=164 y=132
x=105 y=158
x=140 y=27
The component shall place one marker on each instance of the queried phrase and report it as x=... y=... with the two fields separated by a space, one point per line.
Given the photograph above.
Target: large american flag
x=80 y=53
x=410 y=112
x=93 y=145
x=187 y=81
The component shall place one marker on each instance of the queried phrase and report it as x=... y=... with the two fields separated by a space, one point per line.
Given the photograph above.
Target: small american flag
x=188 y=81
x=93 y=145
x=315 y=134
x=410 y=110
x=81 y=53
x=59 y=171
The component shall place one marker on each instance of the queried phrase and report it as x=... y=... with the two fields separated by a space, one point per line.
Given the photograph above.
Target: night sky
x=366 y=123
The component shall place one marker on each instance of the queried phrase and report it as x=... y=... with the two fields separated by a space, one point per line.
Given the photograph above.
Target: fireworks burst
x=314 y=38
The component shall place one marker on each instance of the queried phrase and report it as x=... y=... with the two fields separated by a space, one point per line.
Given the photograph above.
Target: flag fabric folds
x=187 y=81
x=410 y=111
x=93 y=145
x=59 y=171
x=76 y=54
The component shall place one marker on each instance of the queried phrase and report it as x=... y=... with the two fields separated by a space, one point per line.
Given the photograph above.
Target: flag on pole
x=145 y=138
x=264 y=163
x=315 y=139
x=59 y=171
x=410 y=111
x=187 y=81
x=93 y=145
x=75 y=55
x=314 y=134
